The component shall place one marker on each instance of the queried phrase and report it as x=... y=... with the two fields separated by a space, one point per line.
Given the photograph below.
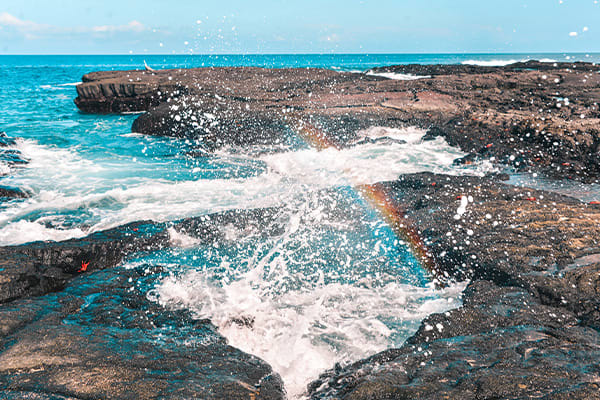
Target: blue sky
x=307 y=26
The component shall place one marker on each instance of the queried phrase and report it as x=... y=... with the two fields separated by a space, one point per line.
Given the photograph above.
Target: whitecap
x=490 y=63
x=398 y=76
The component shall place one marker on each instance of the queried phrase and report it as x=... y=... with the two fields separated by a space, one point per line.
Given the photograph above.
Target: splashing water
x=335 y=286
x=338 y=284
x=87 y=195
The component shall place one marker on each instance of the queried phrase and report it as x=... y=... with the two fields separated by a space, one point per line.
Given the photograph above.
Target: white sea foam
x=133 y=112
x=303 y=332
x=368 y=163
x=490 y=63
x=410 y=135
x=282 y=301
x=279 y=301
x=59 y=86
x=133 y=134
x=181 y=240
x=280 y=304
x=398 y=76
x=502 y=63
x=25 y=231
x=81 y=184
x=4 y=168
x=70 y=84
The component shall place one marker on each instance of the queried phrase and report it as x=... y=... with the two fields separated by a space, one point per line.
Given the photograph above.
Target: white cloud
x=10 y=21
x=573 y=34
x=32 y=30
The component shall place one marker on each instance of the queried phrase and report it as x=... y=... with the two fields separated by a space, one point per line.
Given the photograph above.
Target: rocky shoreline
x=540 y=117
x=530 y=323
x=529 y=326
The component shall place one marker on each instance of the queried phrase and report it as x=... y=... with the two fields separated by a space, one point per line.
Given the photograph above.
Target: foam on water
x=305 y=331
x=503 y=63
x=24 y=232
x=398 y=76
x=491 y=63
x=324 y=291
x=89 y=195
x=368 y=163
x=334 y=287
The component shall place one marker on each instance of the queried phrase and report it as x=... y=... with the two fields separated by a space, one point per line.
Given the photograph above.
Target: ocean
x=327 y=289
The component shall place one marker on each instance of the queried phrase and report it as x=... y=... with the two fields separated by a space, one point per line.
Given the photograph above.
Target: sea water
x=335 y=285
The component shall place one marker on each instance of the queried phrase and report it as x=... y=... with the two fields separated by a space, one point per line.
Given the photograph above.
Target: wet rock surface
x=100 y=337
x=9 y=192
x=10 y=158
x=529 y=326
x=533 y=116
x=38 y=268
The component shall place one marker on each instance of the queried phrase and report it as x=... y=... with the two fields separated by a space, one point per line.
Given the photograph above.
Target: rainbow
x=376 y=195
x=311 y=134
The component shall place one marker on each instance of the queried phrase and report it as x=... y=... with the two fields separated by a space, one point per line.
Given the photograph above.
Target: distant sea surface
x=345 y=62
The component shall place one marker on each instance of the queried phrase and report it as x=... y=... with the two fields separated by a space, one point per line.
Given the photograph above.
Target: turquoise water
x=336 y=282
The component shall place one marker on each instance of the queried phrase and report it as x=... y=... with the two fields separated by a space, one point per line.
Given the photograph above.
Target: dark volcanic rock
x=6 y=141
x=42 y=267
x=130 y=91
x=501 y=345
x=529 y=326
x=541 y=241
x=533 y=115
x=449 y=69
x=101 y=338
x=13 y=192
x=11 y=157
x=37 y=268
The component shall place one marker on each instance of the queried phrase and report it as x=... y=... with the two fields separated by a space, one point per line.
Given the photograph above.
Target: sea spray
x=333 y=287
x=112 y=195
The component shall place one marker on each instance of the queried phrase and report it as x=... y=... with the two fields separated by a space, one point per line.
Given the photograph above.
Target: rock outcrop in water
x=530 y=323
x=10 y=157
x=533 y=116
x=39 y=268
x=42 y=267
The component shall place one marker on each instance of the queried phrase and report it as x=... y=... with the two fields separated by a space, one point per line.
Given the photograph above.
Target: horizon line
x=302 y=54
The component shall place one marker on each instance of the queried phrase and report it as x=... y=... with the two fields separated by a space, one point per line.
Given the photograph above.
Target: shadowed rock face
x=529 y=326
x=516 y=114
x=39 y=268
x=515 y=356
x=13 y=193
